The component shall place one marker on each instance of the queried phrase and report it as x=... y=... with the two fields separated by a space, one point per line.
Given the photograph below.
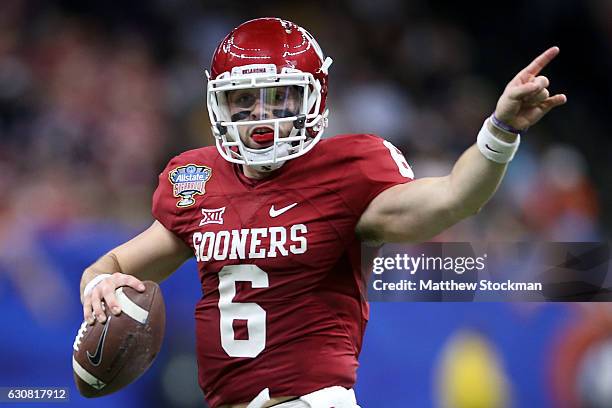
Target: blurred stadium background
x=96 y=96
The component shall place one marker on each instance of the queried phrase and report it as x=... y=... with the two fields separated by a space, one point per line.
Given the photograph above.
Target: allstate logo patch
x=187 y=181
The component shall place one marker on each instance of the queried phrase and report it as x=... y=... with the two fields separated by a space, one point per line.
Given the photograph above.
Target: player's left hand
x=526 y=98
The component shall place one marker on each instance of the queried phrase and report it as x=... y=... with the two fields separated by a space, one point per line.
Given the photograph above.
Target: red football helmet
x=278 y=66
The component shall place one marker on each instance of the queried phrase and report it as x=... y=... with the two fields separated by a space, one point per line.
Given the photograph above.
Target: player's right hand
x=102 y=296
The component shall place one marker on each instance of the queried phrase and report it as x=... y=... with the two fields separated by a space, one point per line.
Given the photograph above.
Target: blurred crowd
x=94 y=99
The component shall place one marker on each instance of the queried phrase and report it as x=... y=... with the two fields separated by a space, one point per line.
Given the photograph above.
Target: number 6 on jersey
x=400 y=160
x=254 y=314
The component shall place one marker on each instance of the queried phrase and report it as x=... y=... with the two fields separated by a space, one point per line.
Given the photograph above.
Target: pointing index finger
x=541 y=61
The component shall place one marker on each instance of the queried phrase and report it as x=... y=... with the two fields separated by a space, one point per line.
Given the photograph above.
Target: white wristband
x=494 y=148
x=92 y=283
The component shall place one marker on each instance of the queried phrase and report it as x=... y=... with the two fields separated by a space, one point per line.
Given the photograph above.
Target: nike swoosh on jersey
x=275 y=213
x=96 y=358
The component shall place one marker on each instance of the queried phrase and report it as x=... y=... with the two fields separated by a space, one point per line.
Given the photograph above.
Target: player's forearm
x=151 y=255
x=474 y=178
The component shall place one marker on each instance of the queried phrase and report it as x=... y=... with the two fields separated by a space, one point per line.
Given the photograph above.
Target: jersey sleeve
x=164 y=207
x=376 y=165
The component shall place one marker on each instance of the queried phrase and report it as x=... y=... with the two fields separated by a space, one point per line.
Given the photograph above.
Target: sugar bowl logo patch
x=188 y=181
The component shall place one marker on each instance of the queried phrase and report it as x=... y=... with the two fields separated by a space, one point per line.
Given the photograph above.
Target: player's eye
x=279 y=96
x=243 y=100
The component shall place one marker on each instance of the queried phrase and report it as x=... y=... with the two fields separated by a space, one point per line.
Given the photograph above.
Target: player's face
x=262 y=104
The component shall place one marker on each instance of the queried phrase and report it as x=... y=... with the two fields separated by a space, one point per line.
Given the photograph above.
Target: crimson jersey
x=283 y=301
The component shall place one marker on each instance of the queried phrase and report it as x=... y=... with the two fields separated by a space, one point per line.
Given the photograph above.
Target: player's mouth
x=263 y=136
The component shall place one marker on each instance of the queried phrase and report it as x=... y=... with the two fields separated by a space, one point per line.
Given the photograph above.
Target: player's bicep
x=153 y=254
x=411 y=212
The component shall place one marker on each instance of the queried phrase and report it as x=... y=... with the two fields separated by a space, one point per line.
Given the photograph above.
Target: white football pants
x=337 y=397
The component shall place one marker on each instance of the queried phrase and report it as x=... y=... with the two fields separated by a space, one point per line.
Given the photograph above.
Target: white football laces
x=79 y=336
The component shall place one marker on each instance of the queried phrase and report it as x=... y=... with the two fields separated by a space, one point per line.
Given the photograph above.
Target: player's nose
x=260 y=111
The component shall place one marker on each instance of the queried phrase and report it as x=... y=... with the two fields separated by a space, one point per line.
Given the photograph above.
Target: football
x=108 y=356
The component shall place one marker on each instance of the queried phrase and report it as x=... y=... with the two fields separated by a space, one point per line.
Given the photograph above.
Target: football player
x=275 y=217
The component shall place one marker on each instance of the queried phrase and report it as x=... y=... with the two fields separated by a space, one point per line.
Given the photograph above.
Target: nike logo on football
x=491 y=149
x=275 y=213
x=96 y=358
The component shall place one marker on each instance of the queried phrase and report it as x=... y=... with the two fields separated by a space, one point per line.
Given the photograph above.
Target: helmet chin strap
x=262 y=155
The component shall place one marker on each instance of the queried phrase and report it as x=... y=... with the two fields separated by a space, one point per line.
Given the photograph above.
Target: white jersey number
x=254 y=314
x=400 y=160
